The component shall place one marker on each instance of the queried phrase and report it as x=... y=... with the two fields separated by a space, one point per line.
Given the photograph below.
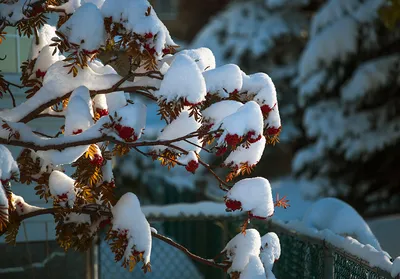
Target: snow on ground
x=340 y=218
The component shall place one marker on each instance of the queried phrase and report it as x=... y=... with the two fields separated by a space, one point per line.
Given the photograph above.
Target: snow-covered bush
x=349 y=91
x=64 y=79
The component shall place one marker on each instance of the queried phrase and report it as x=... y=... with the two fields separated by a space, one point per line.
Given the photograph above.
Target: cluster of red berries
x=232 y=205
x=265 y=109
x=77 y=132
x=152 y=50
x=187 y=103
x=102 y=112
x=252 y=216
x=126 y=133
x=273 y=130
x=90 y=52
x=5 y=181
x=63 y=197
x=250 y=137
x=97 y=160
x=192 y=166
x=40 y=74
x=232 y=140
x=221 y=150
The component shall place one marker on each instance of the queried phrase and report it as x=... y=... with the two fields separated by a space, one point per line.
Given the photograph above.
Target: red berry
x=250 y=137
x=192 y=166
x=76 y=132
x=90 y=52
x=187 y=103
x=233 y=205
x=126 y=132
x=122 y=233
x=102 y=112
x=40 y=74
x=251 y=216
x=221 y=151
x=273 y=130
x=265 y=109
x=63 y=196
x=151 y=50
x=148 y=35
x=97 y=160
x=105 y=223
x=166 y=51
x=232 y=140
x=234 y=92
x=5 y=181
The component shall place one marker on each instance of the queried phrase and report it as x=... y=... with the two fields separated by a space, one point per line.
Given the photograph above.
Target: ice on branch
x=140 y=18
x=181 y=126
x=218 y=111
x=340 y=218
x=129 y=223
x=246 y=156
x=240 y=249
x=270 y=252
x=224 y=80
x=85 y=28
x=21 y=206
x=203 y=57
x=246 y=121
x=45 y=34
x=130 y=122
x=183 y=81
x=62 y=188
x=253 y=195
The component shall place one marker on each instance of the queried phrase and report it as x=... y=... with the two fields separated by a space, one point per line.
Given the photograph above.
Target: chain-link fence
x=303 y=257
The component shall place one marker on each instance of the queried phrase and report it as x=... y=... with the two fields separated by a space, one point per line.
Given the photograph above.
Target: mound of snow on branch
x=85 y=28
x=253 y=195
x=240 y=249
x=183 y=80
x=62 y=188
x=129 y=218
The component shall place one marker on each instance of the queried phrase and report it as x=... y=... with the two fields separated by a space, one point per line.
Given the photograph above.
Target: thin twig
x=222 y=182
x=199 y=146
x=107 y=213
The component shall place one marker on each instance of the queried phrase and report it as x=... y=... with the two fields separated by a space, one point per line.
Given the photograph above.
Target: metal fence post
x=328 y=262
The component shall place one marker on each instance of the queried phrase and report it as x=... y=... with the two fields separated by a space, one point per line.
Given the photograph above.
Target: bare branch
x=142 y=90
x=56 y=144
x=95 y=210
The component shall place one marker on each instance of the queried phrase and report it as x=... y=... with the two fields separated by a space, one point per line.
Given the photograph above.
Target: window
x=15 y=49
x=166 y=9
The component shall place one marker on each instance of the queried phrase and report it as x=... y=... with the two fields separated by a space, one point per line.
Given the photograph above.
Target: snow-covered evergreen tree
x=267 y=36
x=349 y=89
